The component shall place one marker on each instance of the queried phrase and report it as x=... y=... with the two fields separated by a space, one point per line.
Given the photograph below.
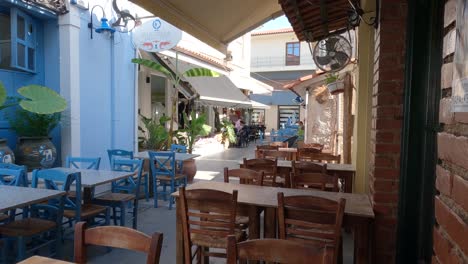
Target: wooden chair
x=306 y=166
x=307 y=154
x=74 y=208
x=208 y=217
x=116 y=237
x=164 y=170
x=260 y=148
x=246 y=176
x=83 y=163
x=279 y=144
x=278 y=251
x=317 y=146
x=122 y=200
x=12 y=175
x=274 y=154
x=314 y=180
x=179 y=149
x=309 y=218
x=268 y=167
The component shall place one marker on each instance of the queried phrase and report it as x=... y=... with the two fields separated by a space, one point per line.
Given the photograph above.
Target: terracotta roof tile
x=272 y=31
x=206 y=58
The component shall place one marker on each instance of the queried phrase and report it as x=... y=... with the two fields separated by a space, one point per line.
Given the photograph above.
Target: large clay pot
x=35 y=152
x=190 y=169
x=6 y=154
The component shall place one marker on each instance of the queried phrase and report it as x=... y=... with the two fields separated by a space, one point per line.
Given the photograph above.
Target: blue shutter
x=23 y=41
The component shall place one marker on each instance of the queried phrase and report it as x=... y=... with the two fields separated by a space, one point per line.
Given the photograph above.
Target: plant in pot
x=175 y=78
x=154 y=133
x=334 y=84
x=33 y=99
x=194 y=127
x=34 y=148
x=228 y=134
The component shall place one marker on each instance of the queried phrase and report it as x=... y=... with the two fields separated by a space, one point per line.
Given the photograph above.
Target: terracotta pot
x=6 y=154
x=190 y=169
x=35 y=152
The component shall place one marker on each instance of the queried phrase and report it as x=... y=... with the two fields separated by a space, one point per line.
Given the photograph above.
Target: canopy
x=212 y=21
x=215 y=91
x=251 y=84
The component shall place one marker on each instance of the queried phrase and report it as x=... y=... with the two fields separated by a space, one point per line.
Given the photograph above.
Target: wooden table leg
x=270 y=223
x=363 y=243
x=254 y=222
x=179 y=234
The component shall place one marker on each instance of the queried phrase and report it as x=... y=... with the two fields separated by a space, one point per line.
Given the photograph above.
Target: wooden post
x=347 y=118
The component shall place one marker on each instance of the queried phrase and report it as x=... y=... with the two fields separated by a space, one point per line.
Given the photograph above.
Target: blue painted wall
x=106 y=96
x=47 y=63
x=276 y=98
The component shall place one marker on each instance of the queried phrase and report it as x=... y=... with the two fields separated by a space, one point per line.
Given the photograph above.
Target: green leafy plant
x=155 y=135
x=175 y=79
x=331 y=78
x=228 y=132
x=195 y=127
x=35 y=98
x=28 y=124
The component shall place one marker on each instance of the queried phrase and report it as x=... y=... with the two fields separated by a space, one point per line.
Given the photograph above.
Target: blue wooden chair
x=74 y=209
x=179 y=149
x=164 y=172
x=42 y=228
x=12 y=175
x=122 y=200
x=83 y=163
x=126 y=185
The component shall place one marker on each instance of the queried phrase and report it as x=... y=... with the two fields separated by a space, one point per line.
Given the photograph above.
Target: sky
x=280 y=22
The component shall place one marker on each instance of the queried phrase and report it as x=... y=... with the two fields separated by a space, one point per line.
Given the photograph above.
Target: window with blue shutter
x=17 y=41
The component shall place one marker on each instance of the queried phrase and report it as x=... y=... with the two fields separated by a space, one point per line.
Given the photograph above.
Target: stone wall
x=451 y=202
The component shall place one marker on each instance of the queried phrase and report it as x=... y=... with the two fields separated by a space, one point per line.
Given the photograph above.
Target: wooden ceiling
x=314 y=20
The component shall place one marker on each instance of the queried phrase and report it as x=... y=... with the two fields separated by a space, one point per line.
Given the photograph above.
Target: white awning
x=215 y=91
x=258 y=105
x=251 y=84
x=214 y=22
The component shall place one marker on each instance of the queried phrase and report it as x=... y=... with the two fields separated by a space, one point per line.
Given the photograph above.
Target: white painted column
x=69 y=36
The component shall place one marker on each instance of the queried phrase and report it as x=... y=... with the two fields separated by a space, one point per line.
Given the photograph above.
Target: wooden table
x=12 y=197
x=358 y=213
x=42 y=260
x=345 y=172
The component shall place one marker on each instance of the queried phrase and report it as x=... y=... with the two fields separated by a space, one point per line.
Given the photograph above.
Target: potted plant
x=34 y=148
x=34 y=99
x=154 y=134
x=193 y=128
x=228 y=134
x=334 y=84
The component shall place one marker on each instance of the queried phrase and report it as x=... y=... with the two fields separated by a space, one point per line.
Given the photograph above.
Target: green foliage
x=200 y=72
x=195 y=127
x=228 y=131
x=331 y=78
x=27 y=124
x=153 y=65
x=36 y=99
x=155 y=133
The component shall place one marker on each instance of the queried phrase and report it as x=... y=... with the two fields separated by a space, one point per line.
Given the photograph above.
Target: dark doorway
x=419 y=150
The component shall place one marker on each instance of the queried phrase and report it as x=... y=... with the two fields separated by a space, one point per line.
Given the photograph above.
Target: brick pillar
x=387 y=122
x=451 y=202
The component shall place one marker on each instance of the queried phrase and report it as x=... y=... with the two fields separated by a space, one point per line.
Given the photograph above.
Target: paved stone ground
x=210 y=166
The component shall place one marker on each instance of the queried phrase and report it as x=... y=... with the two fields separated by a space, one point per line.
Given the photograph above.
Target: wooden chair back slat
x=267 y=166
x=318 y=181
x=279 y=144
x=278 y=251
x=246 y=176
x=308 y=166
x=314 y=155
x=267 y=147
x=311 y=218
x=116 y=237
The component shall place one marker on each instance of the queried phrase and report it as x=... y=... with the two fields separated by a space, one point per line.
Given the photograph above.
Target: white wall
x=268 y=53
x=271 y=118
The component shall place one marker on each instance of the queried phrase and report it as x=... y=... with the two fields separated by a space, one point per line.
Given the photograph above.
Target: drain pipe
x=112 y=88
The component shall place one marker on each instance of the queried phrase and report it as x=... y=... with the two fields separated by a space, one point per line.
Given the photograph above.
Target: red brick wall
x=451 y=203
x=387 y=121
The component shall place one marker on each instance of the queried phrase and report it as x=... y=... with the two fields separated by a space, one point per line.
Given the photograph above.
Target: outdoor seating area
x=248 y=201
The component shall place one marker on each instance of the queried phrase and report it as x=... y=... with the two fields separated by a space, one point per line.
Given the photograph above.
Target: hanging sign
x=156 y=35
x=460 y=60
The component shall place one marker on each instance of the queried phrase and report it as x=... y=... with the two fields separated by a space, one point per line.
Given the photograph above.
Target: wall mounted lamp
x=104 y=27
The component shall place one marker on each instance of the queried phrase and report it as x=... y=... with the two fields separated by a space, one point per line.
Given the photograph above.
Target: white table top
x=92 y=178
x=178 y=156
x=16 y=197
x=330 y=166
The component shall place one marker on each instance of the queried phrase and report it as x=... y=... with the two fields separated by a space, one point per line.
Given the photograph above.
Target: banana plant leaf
x=41 y=100
x=3 y=94
x=201 y=72
x=154 y=66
